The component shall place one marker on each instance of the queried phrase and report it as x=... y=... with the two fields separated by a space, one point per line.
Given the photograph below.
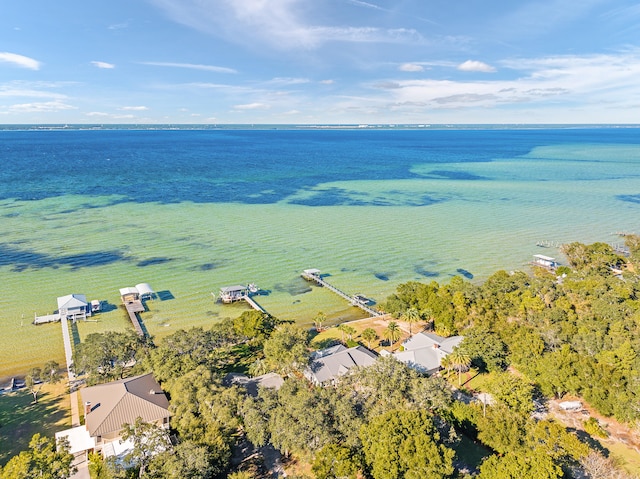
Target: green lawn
x=471 y=381
x=20 y=419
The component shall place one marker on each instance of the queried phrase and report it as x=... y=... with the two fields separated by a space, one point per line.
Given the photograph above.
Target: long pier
x=314 y=275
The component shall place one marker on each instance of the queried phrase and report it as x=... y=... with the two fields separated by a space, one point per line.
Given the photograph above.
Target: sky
x=319 y=61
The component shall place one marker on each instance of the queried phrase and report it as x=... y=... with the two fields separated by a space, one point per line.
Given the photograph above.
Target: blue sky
x=320 y=61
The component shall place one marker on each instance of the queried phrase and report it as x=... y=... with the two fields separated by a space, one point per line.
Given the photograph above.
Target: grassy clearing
x=469 y=382
x=20 y=418
x=331 y=334
x=626 y=456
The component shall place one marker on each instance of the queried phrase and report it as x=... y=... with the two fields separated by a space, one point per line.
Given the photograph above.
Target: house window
x=98 y=439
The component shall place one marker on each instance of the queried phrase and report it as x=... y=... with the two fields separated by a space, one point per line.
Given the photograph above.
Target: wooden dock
x=253 y=304
x=313 y=275
x=133 y=308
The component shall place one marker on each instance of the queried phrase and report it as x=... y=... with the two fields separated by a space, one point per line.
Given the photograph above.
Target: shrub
x=593 y=427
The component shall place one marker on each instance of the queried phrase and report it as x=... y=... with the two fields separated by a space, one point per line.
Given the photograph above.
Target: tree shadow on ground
x=21 y=418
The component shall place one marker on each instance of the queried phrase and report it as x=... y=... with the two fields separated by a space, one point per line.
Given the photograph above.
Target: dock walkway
x=253 y=303
x=314 y=275
x=68 y=352
x=133 y=308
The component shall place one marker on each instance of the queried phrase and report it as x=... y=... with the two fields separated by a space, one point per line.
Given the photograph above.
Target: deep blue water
x=255 y=166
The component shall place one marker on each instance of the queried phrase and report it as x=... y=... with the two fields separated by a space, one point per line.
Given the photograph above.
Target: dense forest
x=574 y=331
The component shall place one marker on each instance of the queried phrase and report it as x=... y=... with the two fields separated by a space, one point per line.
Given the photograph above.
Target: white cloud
x=110 y=116
x=574 y=89
x=280 y=24
x=411 y=67
x=252 y=106
x=41 y=107
x=327 y=82
x=288 y=81
x=368 y=5
x=476 y=66
x=12 y=92
x=134 y=108
x=118 y=26
x=104 y=65
x=19 y=60
x=192 y=66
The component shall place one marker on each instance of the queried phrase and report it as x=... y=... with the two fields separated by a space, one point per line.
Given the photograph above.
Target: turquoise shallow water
x=369 y=224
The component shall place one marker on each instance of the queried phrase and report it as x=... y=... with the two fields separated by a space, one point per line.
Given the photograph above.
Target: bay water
x=192 y=209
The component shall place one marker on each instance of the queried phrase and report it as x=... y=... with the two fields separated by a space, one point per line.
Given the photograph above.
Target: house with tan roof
x=109 y=406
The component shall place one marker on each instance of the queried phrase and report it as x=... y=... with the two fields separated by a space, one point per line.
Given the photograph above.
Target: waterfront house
x=424 y=351
x=71 y=306
x=327 y=365
x=108 y=406
x=74 y=307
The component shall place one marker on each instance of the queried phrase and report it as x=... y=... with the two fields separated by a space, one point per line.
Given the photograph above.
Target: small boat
x=361 y=299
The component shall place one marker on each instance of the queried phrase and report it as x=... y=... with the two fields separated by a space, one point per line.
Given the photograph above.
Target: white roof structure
x=424 y=351
x=128 y=290
x=424 y=360
x=79 y=439
x=72 y=301
x=570 y=405
x=145 y=290
x=431 y=340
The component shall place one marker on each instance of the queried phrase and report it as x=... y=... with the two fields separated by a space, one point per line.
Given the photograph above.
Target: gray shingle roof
x=121 y=402
x=424 y=351
x=328 y=367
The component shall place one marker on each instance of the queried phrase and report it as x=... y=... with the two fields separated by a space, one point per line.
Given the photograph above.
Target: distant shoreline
x=337 y=127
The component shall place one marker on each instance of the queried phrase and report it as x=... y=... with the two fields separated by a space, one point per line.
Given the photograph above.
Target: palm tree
x=411 y=316
x=341 y=328
x=350 y=330
x=346 y=329
x=318 y=320
x=392 y=333
x=460 y=361
x=446 y=364
x=369 y=335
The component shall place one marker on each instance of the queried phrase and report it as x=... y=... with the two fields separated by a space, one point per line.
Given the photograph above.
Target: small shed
x=145 y=291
